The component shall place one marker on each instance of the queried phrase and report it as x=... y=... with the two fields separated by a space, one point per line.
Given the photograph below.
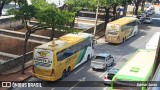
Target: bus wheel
x=88 y=57
x=123 y=40
x=68 y=71
x=135 y=33
x=63 y=74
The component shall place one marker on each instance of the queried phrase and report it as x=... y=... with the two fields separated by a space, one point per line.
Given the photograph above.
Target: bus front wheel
x=88 y=57
x=124 y=40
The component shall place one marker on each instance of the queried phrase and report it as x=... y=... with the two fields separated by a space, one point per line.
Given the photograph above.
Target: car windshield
x=110 y=76
x=147 y=18
x=99 y=58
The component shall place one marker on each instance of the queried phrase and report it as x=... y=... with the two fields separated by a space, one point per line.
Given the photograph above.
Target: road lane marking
x=102 y=74
x=78 y=70
x=147 y=39
x=52 y=88
x=122 y=57
x=106 y=88
x=74 y=86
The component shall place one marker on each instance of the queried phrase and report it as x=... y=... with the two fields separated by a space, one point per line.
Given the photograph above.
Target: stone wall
x=14 y=46
x=12 y=63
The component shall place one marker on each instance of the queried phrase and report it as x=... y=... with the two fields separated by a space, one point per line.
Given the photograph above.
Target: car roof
x=113 y=71
x=102 y=54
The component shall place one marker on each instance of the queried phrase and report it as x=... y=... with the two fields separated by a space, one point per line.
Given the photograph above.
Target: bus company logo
x=6 y=84
x=113 y=26
x=43 y=53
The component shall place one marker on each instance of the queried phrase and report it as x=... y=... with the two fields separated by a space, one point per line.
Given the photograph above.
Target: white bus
x=153 y=42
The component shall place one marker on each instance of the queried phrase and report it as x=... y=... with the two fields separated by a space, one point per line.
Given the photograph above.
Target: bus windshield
x=112 y=29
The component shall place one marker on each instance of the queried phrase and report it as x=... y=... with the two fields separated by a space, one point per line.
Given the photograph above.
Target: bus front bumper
x=110 y=40
x=46 y=78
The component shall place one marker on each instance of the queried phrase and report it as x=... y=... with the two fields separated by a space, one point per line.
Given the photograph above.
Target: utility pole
x=157 y=58
x=95 y=27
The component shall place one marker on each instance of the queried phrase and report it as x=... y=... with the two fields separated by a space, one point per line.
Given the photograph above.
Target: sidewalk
x=15 y=74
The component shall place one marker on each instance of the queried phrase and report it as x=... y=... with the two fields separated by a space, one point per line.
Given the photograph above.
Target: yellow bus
x=136 y=72
x=120 y=30
x=55 y=59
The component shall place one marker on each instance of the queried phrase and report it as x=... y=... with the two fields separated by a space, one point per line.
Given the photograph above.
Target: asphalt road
x=120 y=52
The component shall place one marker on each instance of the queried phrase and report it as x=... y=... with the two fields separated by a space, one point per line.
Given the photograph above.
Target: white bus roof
x=153 y=42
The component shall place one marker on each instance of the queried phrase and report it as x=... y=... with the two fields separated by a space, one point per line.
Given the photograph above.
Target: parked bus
x=153 y=42
x=55 y=60
x=121 y=29
x=137 y=69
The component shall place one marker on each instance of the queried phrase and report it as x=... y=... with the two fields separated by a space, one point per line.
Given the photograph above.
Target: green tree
x=51 y=16
x=107 y=5
x=75 y=6
x=2 y=3
x=142 y=5
x=137 y=3
x=125 y=3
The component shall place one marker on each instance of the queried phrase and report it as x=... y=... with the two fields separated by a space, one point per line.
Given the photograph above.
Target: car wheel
x=93 y=69
x=112 y=62
x=105 y=68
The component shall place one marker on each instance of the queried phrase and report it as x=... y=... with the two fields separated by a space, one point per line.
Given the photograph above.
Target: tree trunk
x=137 y=4
x=114 y=11
x=1 y=6
x=52 y=33
x=27 y=35
x=106 y=16
x=125 y=8
x=142 y=6
x=72 y=24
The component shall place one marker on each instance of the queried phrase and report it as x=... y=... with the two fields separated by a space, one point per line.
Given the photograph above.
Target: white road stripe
x=102 y=74
x=78 y=70
x=106 y=88
x=122 y=57
x=74 y=86
x=147 y=39
x=52 y=88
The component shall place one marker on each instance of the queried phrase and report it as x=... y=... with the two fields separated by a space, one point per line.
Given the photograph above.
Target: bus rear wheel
x=63 y=74
x=68 y=71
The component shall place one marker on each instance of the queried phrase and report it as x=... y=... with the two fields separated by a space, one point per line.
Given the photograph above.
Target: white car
x=102 y=61
x=4 y=12
x=147 y=20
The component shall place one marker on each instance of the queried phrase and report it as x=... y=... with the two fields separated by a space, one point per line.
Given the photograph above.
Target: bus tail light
x=105 y=77
x=103 y=65
x=52 y=72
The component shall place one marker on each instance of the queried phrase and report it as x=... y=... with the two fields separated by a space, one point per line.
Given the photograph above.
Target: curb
x=20 y=81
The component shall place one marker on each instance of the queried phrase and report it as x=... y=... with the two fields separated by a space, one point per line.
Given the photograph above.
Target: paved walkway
x=15 y=74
